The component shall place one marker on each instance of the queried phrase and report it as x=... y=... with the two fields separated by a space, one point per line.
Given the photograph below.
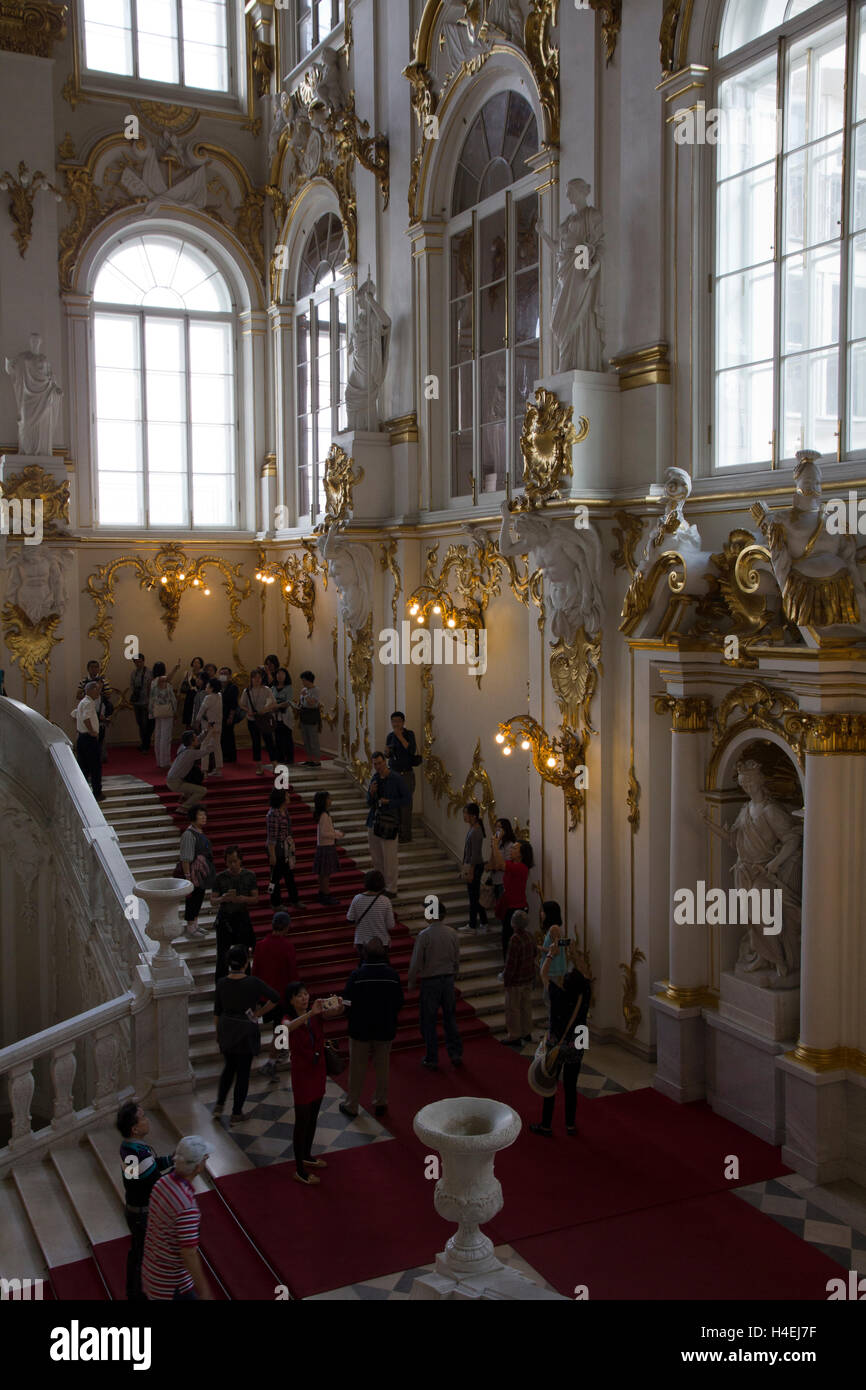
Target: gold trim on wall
x=34 y=482
x=828 y=735
x=821 y=1059
x=689 y=715
x=649 y=366
x=763 y=708
x=28 y=27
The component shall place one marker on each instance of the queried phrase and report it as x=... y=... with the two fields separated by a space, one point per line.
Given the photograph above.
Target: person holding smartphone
x=309 y=1074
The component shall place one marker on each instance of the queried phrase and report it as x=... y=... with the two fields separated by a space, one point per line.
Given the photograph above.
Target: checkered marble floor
x=266 y=1136
x=590 y=1083
x=795 y=1203
x=396 y=1288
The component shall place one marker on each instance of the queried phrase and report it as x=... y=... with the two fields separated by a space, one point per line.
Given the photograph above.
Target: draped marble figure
x=576 y=316
x=769 y=844
x=38 y=398
x=570 y=562
x=37 y=583
x=351 y=568
x=368 y=359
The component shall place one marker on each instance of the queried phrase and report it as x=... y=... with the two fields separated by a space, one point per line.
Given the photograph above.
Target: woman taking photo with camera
x=309 y=1073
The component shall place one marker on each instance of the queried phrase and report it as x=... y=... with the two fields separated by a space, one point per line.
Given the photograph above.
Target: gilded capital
x=690 y=715
x=826 y=735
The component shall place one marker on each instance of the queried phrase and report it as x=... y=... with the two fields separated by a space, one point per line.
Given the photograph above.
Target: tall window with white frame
x=164 y=402
x=180 y=42
x=321 y=344
x=493 y=300
x=790 y=232
x=315 y=21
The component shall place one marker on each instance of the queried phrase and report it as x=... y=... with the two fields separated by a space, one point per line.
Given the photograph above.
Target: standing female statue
x=38 y=398
x=577 y=319
x=368 y=356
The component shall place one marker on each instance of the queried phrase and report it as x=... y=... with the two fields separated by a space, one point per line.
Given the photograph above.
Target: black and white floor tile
x=398 y=1287
x=795 y=1203
x=266 y=1135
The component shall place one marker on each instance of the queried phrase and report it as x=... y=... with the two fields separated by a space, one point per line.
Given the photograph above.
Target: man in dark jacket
x=402 y=752
x=141 y=1168
x=386 y=797
x=376 y=999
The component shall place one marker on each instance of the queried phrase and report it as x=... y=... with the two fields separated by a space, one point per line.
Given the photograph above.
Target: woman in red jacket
x=515 y=873
x=309 y=1076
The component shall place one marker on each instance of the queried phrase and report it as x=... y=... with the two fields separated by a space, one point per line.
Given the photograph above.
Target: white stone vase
x=163 y=897
x=468 y=1132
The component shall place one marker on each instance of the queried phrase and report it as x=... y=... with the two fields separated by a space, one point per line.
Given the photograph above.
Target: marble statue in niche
x=368 y=359
x=816 y=570
x=37 y=583
x=38 y=398
x=576 y=317
x=570 y=562
x=351 y=568
x=768 y=841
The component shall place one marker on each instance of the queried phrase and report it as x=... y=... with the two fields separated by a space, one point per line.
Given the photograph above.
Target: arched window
x=321 y=339
x=493 y=294
x=183 y=42
x=790 y=254
x=164 y=362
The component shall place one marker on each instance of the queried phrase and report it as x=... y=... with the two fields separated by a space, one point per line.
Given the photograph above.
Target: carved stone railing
x=126 y=1024
x=89 y=1063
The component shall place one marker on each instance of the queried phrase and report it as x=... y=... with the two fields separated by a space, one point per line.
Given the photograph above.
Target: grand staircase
x=149 y=833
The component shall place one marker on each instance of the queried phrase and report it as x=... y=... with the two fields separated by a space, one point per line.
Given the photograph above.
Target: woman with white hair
x=171 y=1269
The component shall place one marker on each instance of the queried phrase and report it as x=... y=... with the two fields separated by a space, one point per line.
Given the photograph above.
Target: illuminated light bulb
x=207 y=591
x=506 y=752
x=436 y=608
x=451 y=622
x=181 y=577
x=258 y=575
x=500 y=738
x=413 y=610
x=196 y=583
x=164 y=580
x=421 y=618
x=526 y=745
x=551 y=762
x=288 y=588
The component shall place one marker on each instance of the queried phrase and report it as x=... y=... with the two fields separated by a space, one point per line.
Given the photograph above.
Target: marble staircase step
x=21 y=1256
x=61 y=1236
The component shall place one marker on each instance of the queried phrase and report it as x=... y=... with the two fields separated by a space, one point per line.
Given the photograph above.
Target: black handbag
x=385 y=826
x=335 y=1061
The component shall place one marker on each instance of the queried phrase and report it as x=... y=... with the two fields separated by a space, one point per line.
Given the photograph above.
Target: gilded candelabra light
x=559 y=761
x=296 y=578
x=23 y=188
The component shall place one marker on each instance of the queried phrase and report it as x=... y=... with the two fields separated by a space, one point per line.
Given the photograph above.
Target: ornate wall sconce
x=556 y=760
x=296 y=579
x=23 y=189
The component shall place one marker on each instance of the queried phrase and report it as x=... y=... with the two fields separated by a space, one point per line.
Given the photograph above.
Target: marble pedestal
x=161 y=1020
x=373 y=497
x=754 y=1025
x=595 y=395
x=752 y=1001
x=681 y=1074
x=503 y=1284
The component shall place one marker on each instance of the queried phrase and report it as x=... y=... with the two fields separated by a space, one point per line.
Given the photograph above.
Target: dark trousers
x=229 y=932
x=145 y=726
x=257 y=738
x=285 y=741
x=408 y=780
x=570 y=1073
x=193 y=904
x=90 y=760
x=507 y=930
x=137 y=1223
x=306 y=1119
x=476 y=912
x=437 y=991
x=281 y=873
x=227 y=743
x=236 y=1069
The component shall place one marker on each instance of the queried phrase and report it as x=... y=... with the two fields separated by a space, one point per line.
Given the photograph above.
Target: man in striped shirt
x=172 y=1267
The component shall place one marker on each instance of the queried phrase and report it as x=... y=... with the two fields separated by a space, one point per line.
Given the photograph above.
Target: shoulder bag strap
x=367 y=909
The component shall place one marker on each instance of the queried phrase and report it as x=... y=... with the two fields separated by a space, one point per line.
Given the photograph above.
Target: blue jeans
x=438 y=991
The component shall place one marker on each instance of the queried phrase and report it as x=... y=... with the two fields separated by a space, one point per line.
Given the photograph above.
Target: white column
x=430 y=280
x=282 y=317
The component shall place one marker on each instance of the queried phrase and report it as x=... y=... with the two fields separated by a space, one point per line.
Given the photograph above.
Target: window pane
x=745 y=416
x=157 y=42
x=810 y=300
x=204 y=21
x=810 y=395
x=746 y=20
x=815 y=86
x=526 y=315
x=494 y=442
x=210 y=347
x=493 y=401
x=166 y=448
x=746 y=217
x=108 y=48
x=117 y=394
x=120 y=499
x=857 y=397
x=115 y=340
x=525 y=376
x=813 y=195
x=213 y=501
x=749 y=130
x=164 y=344
x=461 y=397
x=461 y=330
x=493 y=317
x=461 y=264
x=858 y=287
x=526 y=250
x=744 y=317
x=205 y=66
x=118 y=444
x=113 y=287
x=167 y=499
x=461 y=464
x=166 y=396
x=211 y=399
x=212 y=450
x=303 y=492
x=492 y=239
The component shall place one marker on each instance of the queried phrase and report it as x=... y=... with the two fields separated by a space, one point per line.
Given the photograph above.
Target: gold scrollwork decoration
x=574 y=671
x=630 y=1011
x=762 y=708
x=170 y=573
x=30 y=27
x=828 y=735
x=340 y=482
x=628 y=532
x=31 y=644
x=689 y=714
x=674 y=34
x=641 y=591
x=361 y=681
x=633 y=800
x=22 y=188
x=331 y=719
x=734 y=600
x=543 y=58
x=559 y=760
x=611 y=23
x=388 y=562
x=546 y=443
x=35 y=482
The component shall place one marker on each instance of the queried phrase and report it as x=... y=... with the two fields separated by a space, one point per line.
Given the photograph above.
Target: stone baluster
x=21 y=1087
x=106 y=1053
x=63 y=1069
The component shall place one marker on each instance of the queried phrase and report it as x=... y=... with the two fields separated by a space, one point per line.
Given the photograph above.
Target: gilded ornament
x=160 y=115
x=331 y=719
x=762 y=708
x=611 y=23
x=674 y=34
x=544 y=60
x=361 y=677
x=633 y=800
x=641 y=590
x=66 y=148
x=262 y=59
x=339 y=484
x=546 y=443
x=734 y=605
x=628 y=532
x=36 y=482
x=630 y=1011
x=574 y=671
x=828 y=735
x=690 y=715
x=31 y=644
x=23 y=188
x=477 y=572
x=388 y=562
x=30 y=27
x=560 y=761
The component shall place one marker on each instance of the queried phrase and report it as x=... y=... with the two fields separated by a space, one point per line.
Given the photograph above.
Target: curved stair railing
x=129 y=1034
